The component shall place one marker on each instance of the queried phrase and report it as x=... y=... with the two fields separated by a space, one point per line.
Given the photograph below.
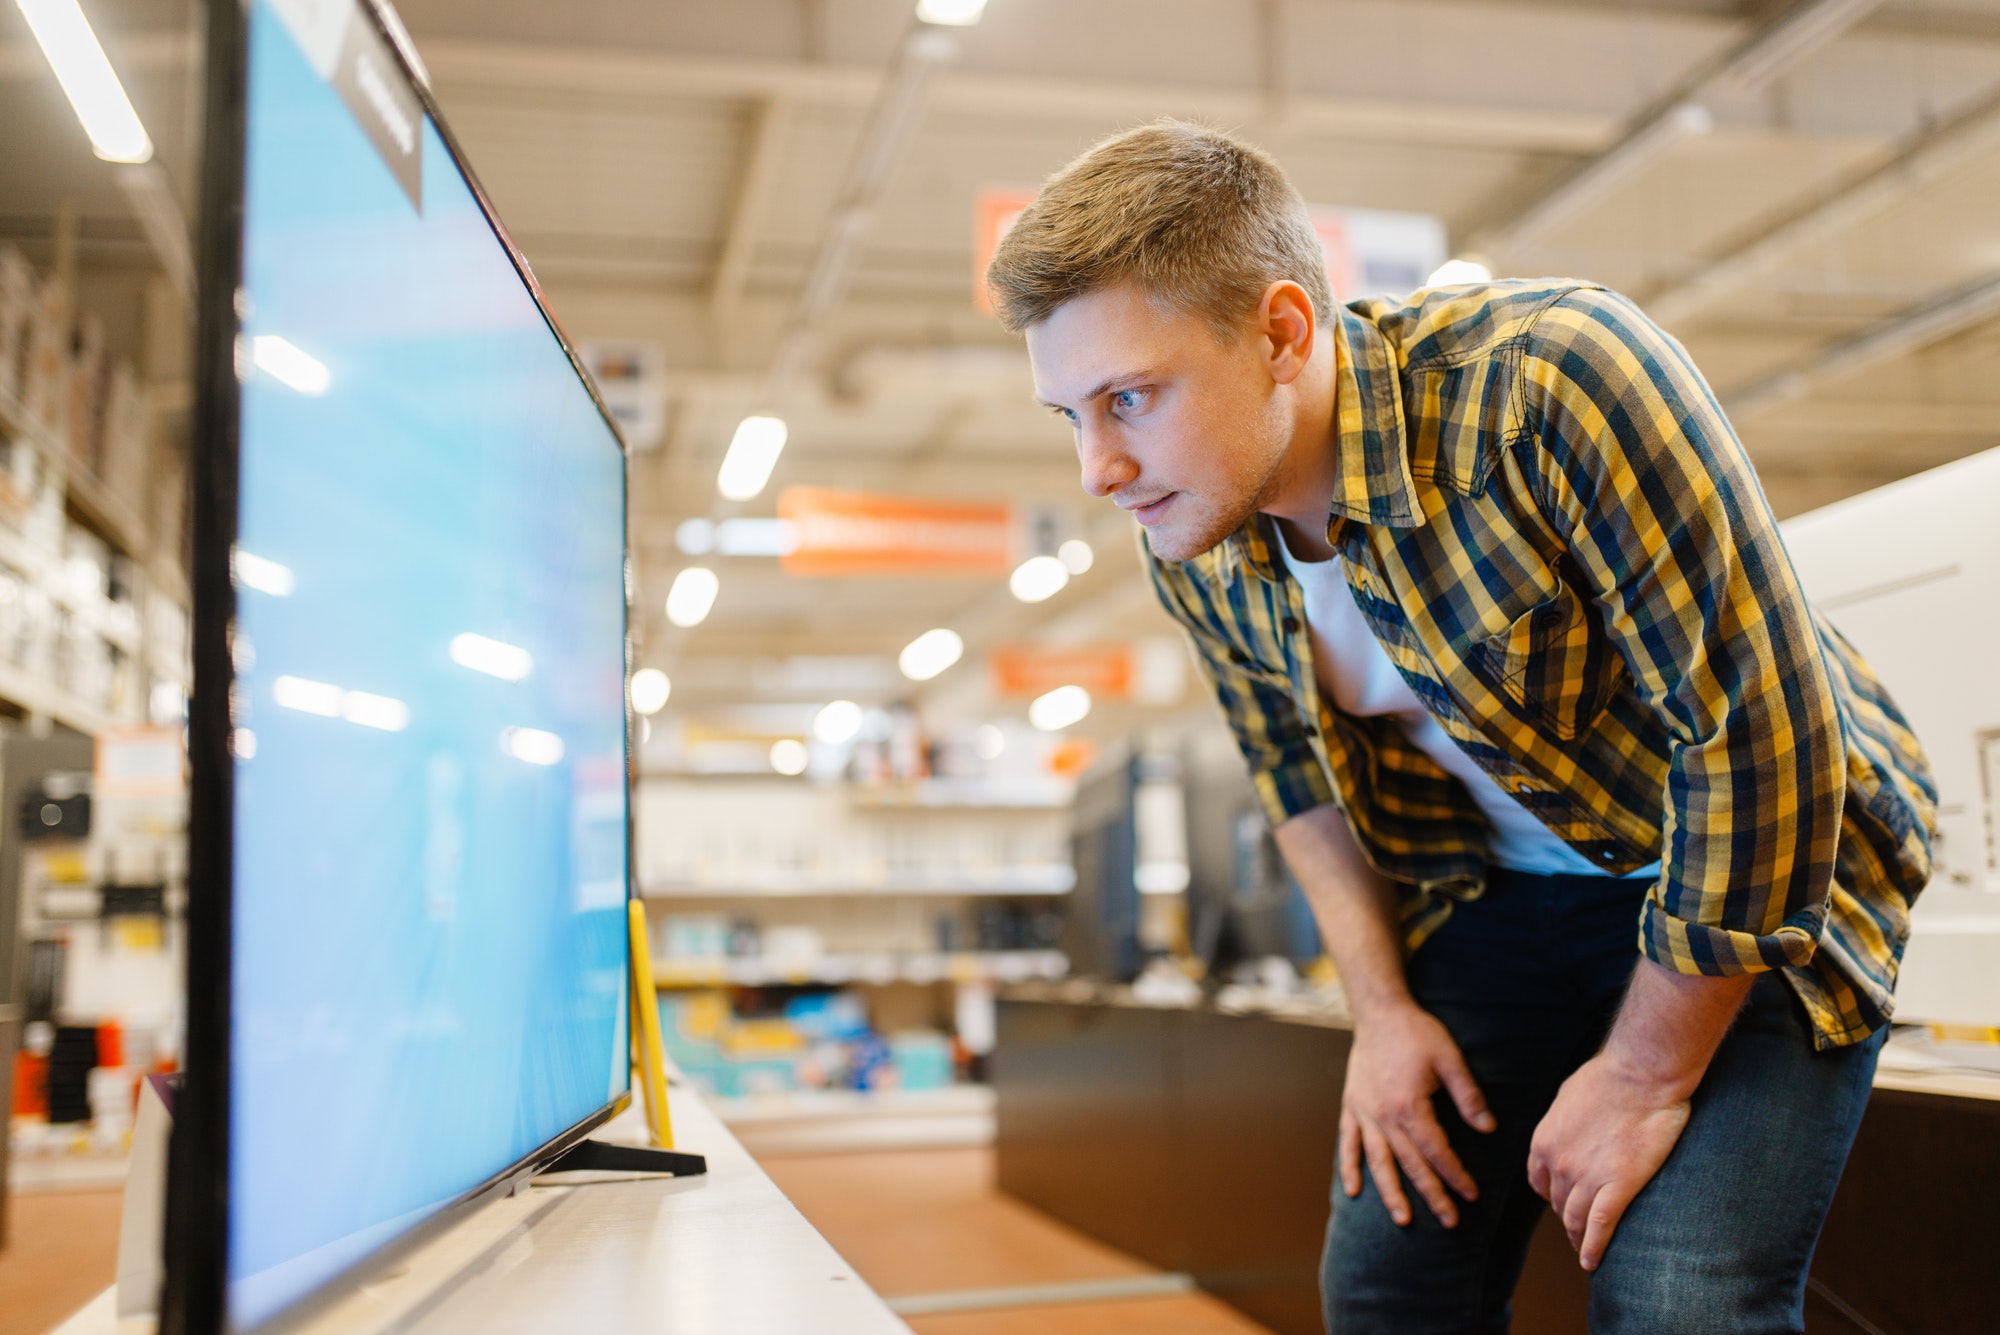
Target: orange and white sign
x=1374 y=252
x=994 y=213
x=872 y=533
x=140 y=762
x=1105 y=670
x=1151 y=670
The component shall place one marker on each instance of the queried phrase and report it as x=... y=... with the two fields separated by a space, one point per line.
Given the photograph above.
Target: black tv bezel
x=194 y=1298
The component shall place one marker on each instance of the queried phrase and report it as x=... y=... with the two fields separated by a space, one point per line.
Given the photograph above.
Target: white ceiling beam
x=1932 y=153
x=761 y=169
x=461 y=66
x=1952 y=313
x=1677 y=114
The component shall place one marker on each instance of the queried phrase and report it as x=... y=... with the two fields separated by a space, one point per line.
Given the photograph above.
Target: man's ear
x=1287 y=328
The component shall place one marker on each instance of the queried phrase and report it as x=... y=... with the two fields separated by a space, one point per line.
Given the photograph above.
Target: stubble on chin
x=1198 y=532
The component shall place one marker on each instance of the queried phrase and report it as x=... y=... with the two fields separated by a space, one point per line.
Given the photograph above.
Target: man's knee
x=1666 y=1291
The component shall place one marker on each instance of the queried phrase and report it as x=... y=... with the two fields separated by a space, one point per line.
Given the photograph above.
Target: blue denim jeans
x=1527 y=980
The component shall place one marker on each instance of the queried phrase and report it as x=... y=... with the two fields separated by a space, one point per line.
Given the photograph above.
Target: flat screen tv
x=409 y=834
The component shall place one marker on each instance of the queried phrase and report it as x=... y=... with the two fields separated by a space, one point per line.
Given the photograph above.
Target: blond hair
x=1200 y=221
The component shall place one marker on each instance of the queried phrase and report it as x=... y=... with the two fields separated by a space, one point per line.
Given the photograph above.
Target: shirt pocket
x=1554 y=662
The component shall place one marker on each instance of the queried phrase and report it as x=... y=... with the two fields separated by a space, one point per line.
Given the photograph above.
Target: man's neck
x=1299 y=495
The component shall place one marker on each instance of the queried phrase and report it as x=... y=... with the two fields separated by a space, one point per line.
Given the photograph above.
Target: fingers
x=1538 y=1172
x=1350 y=1155
x=1429 y=1138
x=1421 y=1176
x=1601 y=1220
x=1382 y=1167
x=1464 y=1090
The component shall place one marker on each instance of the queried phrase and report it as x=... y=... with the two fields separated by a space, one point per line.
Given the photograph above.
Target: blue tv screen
x=428 y=975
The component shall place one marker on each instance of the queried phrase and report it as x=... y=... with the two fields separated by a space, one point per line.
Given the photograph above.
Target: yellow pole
x=652 y=1063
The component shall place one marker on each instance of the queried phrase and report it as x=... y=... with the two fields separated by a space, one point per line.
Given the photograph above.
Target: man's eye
x=1067 y=414
x=1128 y=399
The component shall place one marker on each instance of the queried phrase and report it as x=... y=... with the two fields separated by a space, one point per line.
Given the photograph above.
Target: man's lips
x=1152 y=512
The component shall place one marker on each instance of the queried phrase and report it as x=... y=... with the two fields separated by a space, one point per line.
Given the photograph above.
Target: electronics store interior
x=938 y=850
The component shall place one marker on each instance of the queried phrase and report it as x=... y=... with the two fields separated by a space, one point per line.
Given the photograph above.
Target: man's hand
x=1615 y=1121
x=1600 y=1144
x=1401 y=1057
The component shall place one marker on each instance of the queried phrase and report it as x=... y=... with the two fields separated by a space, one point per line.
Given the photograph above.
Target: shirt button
x=1291 y=625
x=1524 y=787
x=1607 y=855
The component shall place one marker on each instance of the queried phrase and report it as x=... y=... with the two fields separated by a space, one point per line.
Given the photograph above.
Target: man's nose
x=1106 y=465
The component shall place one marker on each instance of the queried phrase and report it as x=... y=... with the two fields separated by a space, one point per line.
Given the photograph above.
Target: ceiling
x=671 y=168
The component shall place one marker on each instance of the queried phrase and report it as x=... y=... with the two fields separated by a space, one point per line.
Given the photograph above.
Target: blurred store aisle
x=62 y=1249
x=932 y=1222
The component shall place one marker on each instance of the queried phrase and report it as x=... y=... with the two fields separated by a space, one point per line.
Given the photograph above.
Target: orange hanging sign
x=872 y=533
x=994 y=213
x=1105 y=670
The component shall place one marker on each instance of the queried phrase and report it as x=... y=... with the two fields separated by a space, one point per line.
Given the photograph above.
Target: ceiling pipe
x=1675 y=115
x=1934 y=151
x=1929 y=323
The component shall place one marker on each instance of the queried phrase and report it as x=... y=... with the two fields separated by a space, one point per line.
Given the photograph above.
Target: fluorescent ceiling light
x=756 y=537
x=496 y=658
x=838 y=722
x=255 y=572
x=375 y=711
x=1076 y=556
x=695 y=537
x=930 y=653
x=989 y=742
x=1038 y=578
x=650 y=689
x=1060 y=708
x=1459 y=271
x=88 y=80
x=289 y=365
x=306 y=696
x=951 y=13
x=753 y=453
x=329 y=701
x=692 y=595
x=788 y=756
x=532 y=745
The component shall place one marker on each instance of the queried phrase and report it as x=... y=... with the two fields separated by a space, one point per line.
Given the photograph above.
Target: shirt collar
x=1373 y=484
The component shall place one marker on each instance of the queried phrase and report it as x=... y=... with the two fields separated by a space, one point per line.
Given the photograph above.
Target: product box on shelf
x=164 y=508
x=86 y=563
x=45 y=365
x=122 y=438
x=89 y=373
x=17 y=304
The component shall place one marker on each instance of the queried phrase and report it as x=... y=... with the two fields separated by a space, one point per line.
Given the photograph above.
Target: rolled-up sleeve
x=1632 y=459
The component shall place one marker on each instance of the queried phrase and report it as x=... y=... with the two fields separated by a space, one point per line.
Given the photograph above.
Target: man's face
x=1173 y=425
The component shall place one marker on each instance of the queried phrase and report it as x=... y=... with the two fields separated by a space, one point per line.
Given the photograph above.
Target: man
x=1613 y=842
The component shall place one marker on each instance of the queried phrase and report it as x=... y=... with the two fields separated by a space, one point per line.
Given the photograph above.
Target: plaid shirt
x=1560 y=543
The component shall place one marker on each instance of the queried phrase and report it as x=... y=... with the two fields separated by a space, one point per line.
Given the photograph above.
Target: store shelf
x=829 y=1121
x=1054 y=879
x=88 y=505
x=1037 y=793
x=39 y=697
x=1001 y=966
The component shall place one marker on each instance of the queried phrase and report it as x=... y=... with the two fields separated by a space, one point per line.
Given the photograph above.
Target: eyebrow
x=1123 y=380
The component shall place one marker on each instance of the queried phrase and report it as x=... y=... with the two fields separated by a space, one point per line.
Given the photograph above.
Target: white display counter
x=722 y=1254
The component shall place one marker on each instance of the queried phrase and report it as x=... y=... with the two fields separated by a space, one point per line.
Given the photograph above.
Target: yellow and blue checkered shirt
x=1560 y=543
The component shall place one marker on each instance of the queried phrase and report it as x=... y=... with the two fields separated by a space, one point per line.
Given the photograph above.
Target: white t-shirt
x=1356 y=674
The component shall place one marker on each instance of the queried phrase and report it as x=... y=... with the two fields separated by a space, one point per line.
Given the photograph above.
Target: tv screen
x=426 y=872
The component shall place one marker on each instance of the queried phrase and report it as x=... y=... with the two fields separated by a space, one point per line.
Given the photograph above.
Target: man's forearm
x=1354 y=905
x=1670 y=1025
